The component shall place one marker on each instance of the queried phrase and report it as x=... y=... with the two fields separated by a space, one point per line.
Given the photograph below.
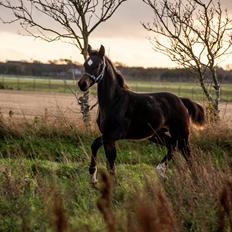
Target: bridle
x=98 y=78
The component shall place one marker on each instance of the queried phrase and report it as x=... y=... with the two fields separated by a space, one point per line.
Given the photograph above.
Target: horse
x=162 y=117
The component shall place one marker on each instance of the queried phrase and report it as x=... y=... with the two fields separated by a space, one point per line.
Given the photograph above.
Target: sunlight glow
x=136 y=52
x=128 y=51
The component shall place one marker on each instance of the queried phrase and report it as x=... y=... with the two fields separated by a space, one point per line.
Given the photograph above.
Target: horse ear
x=102 y=51
x=89 y=49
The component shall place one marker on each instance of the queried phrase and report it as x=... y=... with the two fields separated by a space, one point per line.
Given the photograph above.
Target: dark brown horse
x=162 y=118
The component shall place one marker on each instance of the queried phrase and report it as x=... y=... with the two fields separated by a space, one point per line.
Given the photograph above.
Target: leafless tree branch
x=54 y=20
x=195 y=34
x=69 y=20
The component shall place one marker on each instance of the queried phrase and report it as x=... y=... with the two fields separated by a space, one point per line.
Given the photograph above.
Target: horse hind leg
x=97 y=143
x=162 y=166
x=162 y=138
x=166 y=140
x=184 y=147
x=182 y=136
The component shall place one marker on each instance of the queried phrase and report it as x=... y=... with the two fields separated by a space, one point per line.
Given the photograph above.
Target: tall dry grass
x=195 y=199
x=225 y=209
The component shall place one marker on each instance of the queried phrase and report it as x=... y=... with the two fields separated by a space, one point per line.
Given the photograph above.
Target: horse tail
x=196 y=111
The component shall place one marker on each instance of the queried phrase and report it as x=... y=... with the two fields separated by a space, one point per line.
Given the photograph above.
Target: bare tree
x=72 y=21
x=195 y=35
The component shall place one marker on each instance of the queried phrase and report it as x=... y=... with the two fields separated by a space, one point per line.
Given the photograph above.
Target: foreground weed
x=44 y=183
x=225 y=209
x=195 y=193
x=104 y=203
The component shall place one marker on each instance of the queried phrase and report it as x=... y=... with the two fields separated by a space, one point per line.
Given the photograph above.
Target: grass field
x=191 y=90
x=44 y=182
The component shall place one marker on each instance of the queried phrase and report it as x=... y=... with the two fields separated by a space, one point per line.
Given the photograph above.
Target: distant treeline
x=169 y=74
x=39 y=69
x=68 y=70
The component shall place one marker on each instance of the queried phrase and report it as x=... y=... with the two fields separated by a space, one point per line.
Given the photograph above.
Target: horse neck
x=108 y=88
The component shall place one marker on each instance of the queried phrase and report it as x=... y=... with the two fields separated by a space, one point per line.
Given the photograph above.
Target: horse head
x=94 y=68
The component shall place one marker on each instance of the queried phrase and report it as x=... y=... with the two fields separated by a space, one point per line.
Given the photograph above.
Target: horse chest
x=112 y=124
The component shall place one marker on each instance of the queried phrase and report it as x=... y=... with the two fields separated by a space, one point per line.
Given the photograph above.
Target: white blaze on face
x=90 y=62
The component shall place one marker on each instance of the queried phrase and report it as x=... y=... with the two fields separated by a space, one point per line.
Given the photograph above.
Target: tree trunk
x=84 y=103
x=217 y=89
x=212 y=99
x=212 y=102
x=84 y=99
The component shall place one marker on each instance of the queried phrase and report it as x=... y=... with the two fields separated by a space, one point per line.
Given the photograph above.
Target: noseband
x=98 y=78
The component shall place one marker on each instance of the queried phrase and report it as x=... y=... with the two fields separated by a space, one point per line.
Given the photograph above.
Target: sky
x=123 y=36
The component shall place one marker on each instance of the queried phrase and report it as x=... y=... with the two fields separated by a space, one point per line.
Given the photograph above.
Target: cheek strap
x=98 y=78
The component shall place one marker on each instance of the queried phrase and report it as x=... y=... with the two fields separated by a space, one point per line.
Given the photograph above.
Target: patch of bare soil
x=38 y=104
x=54 y=105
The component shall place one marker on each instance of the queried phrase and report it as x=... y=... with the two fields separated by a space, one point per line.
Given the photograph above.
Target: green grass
x=42 y=163
x=40 y=160
x=33 y=193
x=35 y=181
x=192 y=90
x=32 y=83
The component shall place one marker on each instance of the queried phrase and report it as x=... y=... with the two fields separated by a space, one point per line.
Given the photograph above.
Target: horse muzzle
x=85 y=83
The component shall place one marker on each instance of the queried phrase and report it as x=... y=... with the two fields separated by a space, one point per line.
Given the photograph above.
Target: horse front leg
x=110 y=152
x=97 y=143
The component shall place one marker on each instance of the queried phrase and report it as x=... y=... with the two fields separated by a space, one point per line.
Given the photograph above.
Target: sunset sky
x=123 y=36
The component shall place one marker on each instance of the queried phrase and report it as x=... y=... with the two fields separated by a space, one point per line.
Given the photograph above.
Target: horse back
x=140 y=115
x=151 y=112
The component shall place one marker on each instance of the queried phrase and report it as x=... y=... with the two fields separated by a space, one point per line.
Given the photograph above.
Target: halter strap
x=98 y=78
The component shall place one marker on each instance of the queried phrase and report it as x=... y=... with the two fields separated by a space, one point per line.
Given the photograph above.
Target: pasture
x=44 y=180
x=45 y=185
x=46 y=84
x=56 y=106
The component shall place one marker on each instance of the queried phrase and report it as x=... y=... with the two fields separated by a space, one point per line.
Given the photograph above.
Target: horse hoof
x=94 y=177
x=161 y=169
x=112 y=173
x=111 y=170
x=94 y=182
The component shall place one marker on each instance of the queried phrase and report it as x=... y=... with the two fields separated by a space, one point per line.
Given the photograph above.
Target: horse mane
x=117 y=73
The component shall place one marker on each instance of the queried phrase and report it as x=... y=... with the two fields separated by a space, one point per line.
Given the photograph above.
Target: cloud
x=123 y=36
x=126 y=22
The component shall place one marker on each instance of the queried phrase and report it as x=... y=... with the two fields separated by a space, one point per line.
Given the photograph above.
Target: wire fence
x=36 y=83
x=53 y=99
x=48 y=84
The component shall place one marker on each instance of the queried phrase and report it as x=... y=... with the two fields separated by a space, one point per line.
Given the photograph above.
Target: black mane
x=117 y=73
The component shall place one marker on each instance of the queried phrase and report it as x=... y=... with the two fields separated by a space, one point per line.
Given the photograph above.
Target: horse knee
x=97 y=143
